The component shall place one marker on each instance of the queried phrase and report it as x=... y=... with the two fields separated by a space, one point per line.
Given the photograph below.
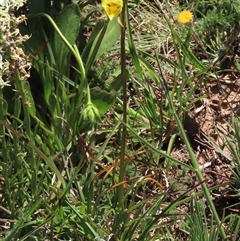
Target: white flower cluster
x=12 y=3
x=12 y=57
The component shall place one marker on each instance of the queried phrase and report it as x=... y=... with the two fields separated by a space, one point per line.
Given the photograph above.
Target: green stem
x=169 y=149
x=124 y=129
x=15 y=139
x=71 y=48
x=2 y=128
x=6 y=167
x=83 y=84
x=198 y=172
x=27 y=126
x=89 y=101
x=192 y=156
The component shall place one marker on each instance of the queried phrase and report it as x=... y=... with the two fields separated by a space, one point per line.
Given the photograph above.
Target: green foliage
x=218 y=20
x=86 y=142
x=68 y=23
x=197 y=226
x=233 y=142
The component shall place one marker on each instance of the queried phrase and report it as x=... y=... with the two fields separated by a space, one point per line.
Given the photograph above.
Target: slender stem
x=48 y=160
x=6 y=167
x=16 y=142
x=124 y=129
x=71 y=48
x=198 y=172
x=89 y=100
x=27 y=124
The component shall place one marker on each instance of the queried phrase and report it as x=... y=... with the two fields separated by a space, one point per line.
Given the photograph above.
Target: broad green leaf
x=92 y=41
x=111 y=36
x=68 y=23
x=115 y=82
x=103 y=100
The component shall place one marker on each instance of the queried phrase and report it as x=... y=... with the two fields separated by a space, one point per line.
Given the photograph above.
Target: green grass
x=95 y=144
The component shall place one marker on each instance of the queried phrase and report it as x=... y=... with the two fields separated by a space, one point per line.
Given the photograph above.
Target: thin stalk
x=27 y=125
x=16 y=143
x=11 y=235
x=191 y=155
x=71 y=48
x=169 y=149
x=154 y=149
x=48 y=160
x=2 y=128
x=198 y=173
x=6 y=168
x=184 y=136
x=124 y=129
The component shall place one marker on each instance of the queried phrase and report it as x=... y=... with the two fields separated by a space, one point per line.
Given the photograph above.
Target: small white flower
x=12 y=57
x=4 y=3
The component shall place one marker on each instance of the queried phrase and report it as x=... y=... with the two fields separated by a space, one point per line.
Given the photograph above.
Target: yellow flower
x=112 y=7
x=185 y=17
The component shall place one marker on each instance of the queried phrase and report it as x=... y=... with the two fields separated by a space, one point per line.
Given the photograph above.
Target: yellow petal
x=112 y=7
x=185 y=17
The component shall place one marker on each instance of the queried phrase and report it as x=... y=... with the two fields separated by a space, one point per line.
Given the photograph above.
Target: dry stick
x=124 y=129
